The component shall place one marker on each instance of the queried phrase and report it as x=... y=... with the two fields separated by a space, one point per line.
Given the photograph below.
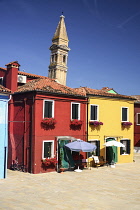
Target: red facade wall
x=20 y=129
x=28 y=133
x=136 y=127
x=62 y=114
x=2 y=73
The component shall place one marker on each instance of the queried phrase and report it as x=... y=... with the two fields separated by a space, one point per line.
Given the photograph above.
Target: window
x=124 y=114
x=94 y=112
x=64 y=58
x=75 y=111
x=126 y=149
x=97 y=151
x=54 y=73
x=55 y=57
x=48 y=109
x=1 y=80
x=48 y=149
x=138 y=118
x=52 y=58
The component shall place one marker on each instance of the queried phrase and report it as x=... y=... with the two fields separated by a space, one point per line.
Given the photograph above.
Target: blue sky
x=104 y=40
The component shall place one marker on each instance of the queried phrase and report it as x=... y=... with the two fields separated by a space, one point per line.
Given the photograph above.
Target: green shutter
x=48 y=109
x=121 y=148
x=128 y=147
x=47 y=149
x=98 y=148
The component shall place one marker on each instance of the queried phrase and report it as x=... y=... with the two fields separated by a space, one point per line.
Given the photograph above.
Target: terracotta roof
x=24 y=73
x=3 y=68
x=4 y=90
x=48 y=85
x=106 y=89
x=30 y=75
x=137 y=97
x=96 y=92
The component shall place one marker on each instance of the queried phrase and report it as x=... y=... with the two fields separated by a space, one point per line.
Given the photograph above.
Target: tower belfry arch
x=59 y=53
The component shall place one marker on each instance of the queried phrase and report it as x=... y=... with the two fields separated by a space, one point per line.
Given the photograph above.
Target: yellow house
x=109 y=117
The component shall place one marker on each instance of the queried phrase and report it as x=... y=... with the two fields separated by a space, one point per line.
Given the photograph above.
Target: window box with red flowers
x=95 y=123
x=76 y=122
x=49 y=121
x=49 y=162
x=126 y=124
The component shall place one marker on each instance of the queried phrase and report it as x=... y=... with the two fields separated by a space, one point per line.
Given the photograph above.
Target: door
x=111 y=152
x=65 y=159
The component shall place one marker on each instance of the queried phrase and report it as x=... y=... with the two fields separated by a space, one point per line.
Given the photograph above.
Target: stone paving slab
x=104 y=188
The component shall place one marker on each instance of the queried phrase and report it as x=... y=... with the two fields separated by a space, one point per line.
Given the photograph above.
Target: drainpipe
x=87 y=119
x=31 y=141
x=5 y=162
x=24 y=141
x=87 y=124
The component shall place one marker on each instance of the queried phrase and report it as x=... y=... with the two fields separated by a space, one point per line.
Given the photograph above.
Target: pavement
x=102 y=188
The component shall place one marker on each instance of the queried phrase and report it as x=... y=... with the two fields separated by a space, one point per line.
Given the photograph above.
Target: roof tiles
x=96 y=92
x=137 y=97
x=4 y=90
x=24 y=73
x=48 y=85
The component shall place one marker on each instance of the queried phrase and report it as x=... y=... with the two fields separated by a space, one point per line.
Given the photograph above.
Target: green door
x=65 y=159
x=111 y=152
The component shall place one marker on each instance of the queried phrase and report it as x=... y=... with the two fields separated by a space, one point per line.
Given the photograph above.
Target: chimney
x=11 y=75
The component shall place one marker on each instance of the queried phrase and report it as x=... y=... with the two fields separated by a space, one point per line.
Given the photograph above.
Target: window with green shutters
x=75 y=111
x=138 y=118
x=94 y=112
x=48 y=109
x=48 y=149
x=124 y=114
x=126 y=149
x=97 y=151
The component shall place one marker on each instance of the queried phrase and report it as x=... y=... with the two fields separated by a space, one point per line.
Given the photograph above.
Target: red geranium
x=76 y=122
x=49 y=121
x=49 y=161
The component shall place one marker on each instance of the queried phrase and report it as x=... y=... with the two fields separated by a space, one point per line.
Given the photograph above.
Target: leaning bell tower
x=59 y=53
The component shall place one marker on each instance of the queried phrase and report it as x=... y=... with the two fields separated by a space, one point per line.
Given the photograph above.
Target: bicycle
x=17 y=167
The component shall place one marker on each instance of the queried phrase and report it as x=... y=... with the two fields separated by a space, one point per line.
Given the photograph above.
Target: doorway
x=65 y=159
x=111 y=152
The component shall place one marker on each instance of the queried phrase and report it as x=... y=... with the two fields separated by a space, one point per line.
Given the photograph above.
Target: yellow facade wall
x=110 y=115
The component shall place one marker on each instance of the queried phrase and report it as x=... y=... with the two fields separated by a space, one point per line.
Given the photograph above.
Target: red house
x=43 y=116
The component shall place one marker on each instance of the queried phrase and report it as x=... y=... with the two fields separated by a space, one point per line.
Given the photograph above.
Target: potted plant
x=49 y=121
x=76 y=122
x=95 y=123
x=49 y=162
x=126 y=124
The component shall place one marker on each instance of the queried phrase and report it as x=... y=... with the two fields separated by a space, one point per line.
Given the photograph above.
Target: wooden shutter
x=138 y=118
x=121 y=148
x=47 y=149
x=124 y=114
x=93 y=112
x=75 y=111
x=48 y=109
x=128 y=147
x=98 y=148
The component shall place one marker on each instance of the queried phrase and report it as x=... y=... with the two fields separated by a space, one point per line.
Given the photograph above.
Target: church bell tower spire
x=59 y=53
